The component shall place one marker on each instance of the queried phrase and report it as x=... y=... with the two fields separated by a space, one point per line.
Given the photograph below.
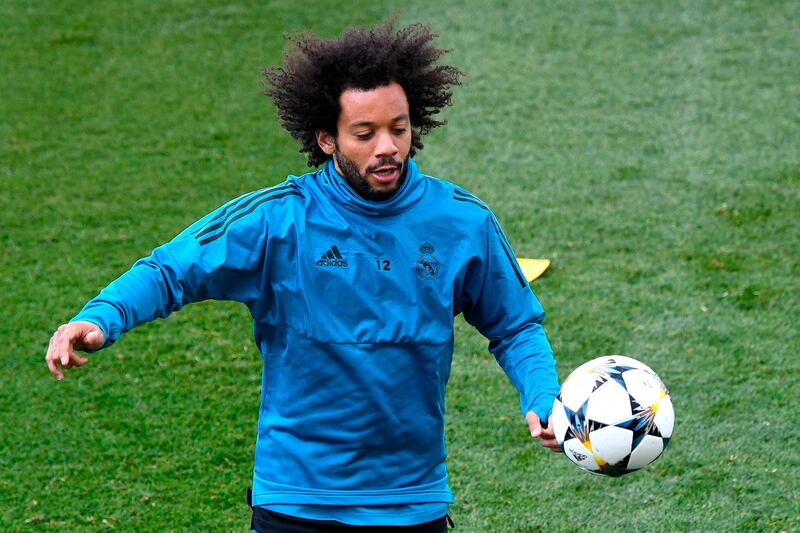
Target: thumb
x=94 y=338
x=534 y=424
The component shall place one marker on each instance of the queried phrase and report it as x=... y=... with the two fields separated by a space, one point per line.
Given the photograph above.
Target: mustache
x=385 y=162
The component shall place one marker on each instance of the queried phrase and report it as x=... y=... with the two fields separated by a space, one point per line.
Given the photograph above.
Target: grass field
x=649 y=149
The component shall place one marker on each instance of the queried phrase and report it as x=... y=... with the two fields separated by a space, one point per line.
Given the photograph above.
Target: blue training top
x=353 y=304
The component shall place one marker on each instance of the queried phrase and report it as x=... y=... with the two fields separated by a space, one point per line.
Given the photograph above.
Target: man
x=353 y=274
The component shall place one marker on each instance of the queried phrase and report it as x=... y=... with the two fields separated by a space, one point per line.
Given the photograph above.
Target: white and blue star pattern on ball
x=613 y=416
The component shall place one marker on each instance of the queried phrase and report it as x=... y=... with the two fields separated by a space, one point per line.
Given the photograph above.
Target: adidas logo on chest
x=332 y=258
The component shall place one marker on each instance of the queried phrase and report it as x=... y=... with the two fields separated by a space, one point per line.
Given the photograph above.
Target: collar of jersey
x=340 y=191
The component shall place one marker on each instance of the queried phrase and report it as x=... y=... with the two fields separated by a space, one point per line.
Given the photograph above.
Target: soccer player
x=353 y=274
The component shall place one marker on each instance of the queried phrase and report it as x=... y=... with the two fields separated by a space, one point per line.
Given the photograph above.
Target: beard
x=358 y=181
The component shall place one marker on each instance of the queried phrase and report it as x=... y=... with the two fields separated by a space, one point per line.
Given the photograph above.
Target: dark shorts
x=266 y=521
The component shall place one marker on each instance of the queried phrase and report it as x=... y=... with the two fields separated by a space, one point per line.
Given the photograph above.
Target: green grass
x=649 y=149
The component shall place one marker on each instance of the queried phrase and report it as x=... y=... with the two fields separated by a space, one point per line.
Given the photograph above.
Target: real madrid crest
x=427 y=264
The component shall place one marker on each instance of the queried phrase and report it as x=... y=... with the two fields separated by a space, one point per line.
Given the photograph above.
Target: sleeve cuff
x=543 y=409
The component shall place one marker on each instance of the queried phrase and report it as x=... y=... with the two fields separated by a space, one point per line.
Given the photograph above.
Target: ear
x=326 y=141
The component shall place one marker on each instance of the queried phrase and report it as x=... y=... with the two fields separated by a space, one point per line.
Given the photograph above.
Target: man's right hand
x=68 y=338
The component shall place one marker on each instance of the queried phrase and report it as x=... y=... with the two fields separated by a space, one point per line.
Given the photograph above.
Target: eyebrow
x=361 y=123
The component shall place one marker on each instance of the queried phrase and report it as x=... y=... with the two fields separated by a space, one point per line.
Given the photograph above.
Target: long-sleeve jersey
x=353 y=304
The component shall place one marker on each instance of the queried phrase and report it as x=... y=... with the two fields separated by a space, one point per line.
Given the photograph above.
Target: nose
x=385 y=146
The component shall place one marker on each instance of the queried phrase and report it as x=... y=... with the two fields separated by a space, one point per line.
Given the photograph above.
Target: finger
x=70 y=355
x=76 y=360
x=49 y=351
x=548 y=437
x=534 y=425
x=51 y=364
x=62 y=347
x=58 y=344
x=93 y=339
x=548 y=442
x=551 y=443
x=548 y=433
x=51 y=359
x=64 y=350
x=65 y=344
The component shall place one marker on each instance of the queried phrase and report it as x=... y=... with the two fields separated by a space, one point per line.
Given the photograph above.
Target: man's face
x=373 y=141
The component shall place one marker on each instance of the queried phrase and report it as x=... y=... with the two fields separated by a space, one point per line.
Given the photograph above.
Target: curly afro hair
x=306 y=89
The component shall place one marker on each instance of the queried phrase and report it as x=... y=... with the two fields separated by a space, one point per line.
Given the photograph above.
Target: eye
x=399 y=131
x=364 y=136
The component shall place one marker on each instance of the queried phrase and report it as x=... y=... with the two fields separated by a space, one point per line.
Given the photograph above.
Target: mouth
x=386 y=174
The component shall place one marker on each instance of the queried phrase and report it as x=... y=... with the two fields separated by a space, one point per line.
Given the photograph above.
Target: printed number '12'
x=383 y=264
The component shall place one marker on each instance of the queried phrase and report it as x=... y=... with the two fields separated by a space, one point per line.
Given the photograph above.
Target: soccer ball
x=613 y=416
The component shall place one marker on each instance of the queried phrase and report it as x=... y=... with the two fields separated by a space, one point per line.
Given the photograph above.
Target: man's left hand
x=546 y=436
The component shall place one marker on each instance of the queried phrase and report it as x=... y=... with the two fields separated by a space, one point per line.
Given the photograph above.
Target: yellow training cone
x=533 y=268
